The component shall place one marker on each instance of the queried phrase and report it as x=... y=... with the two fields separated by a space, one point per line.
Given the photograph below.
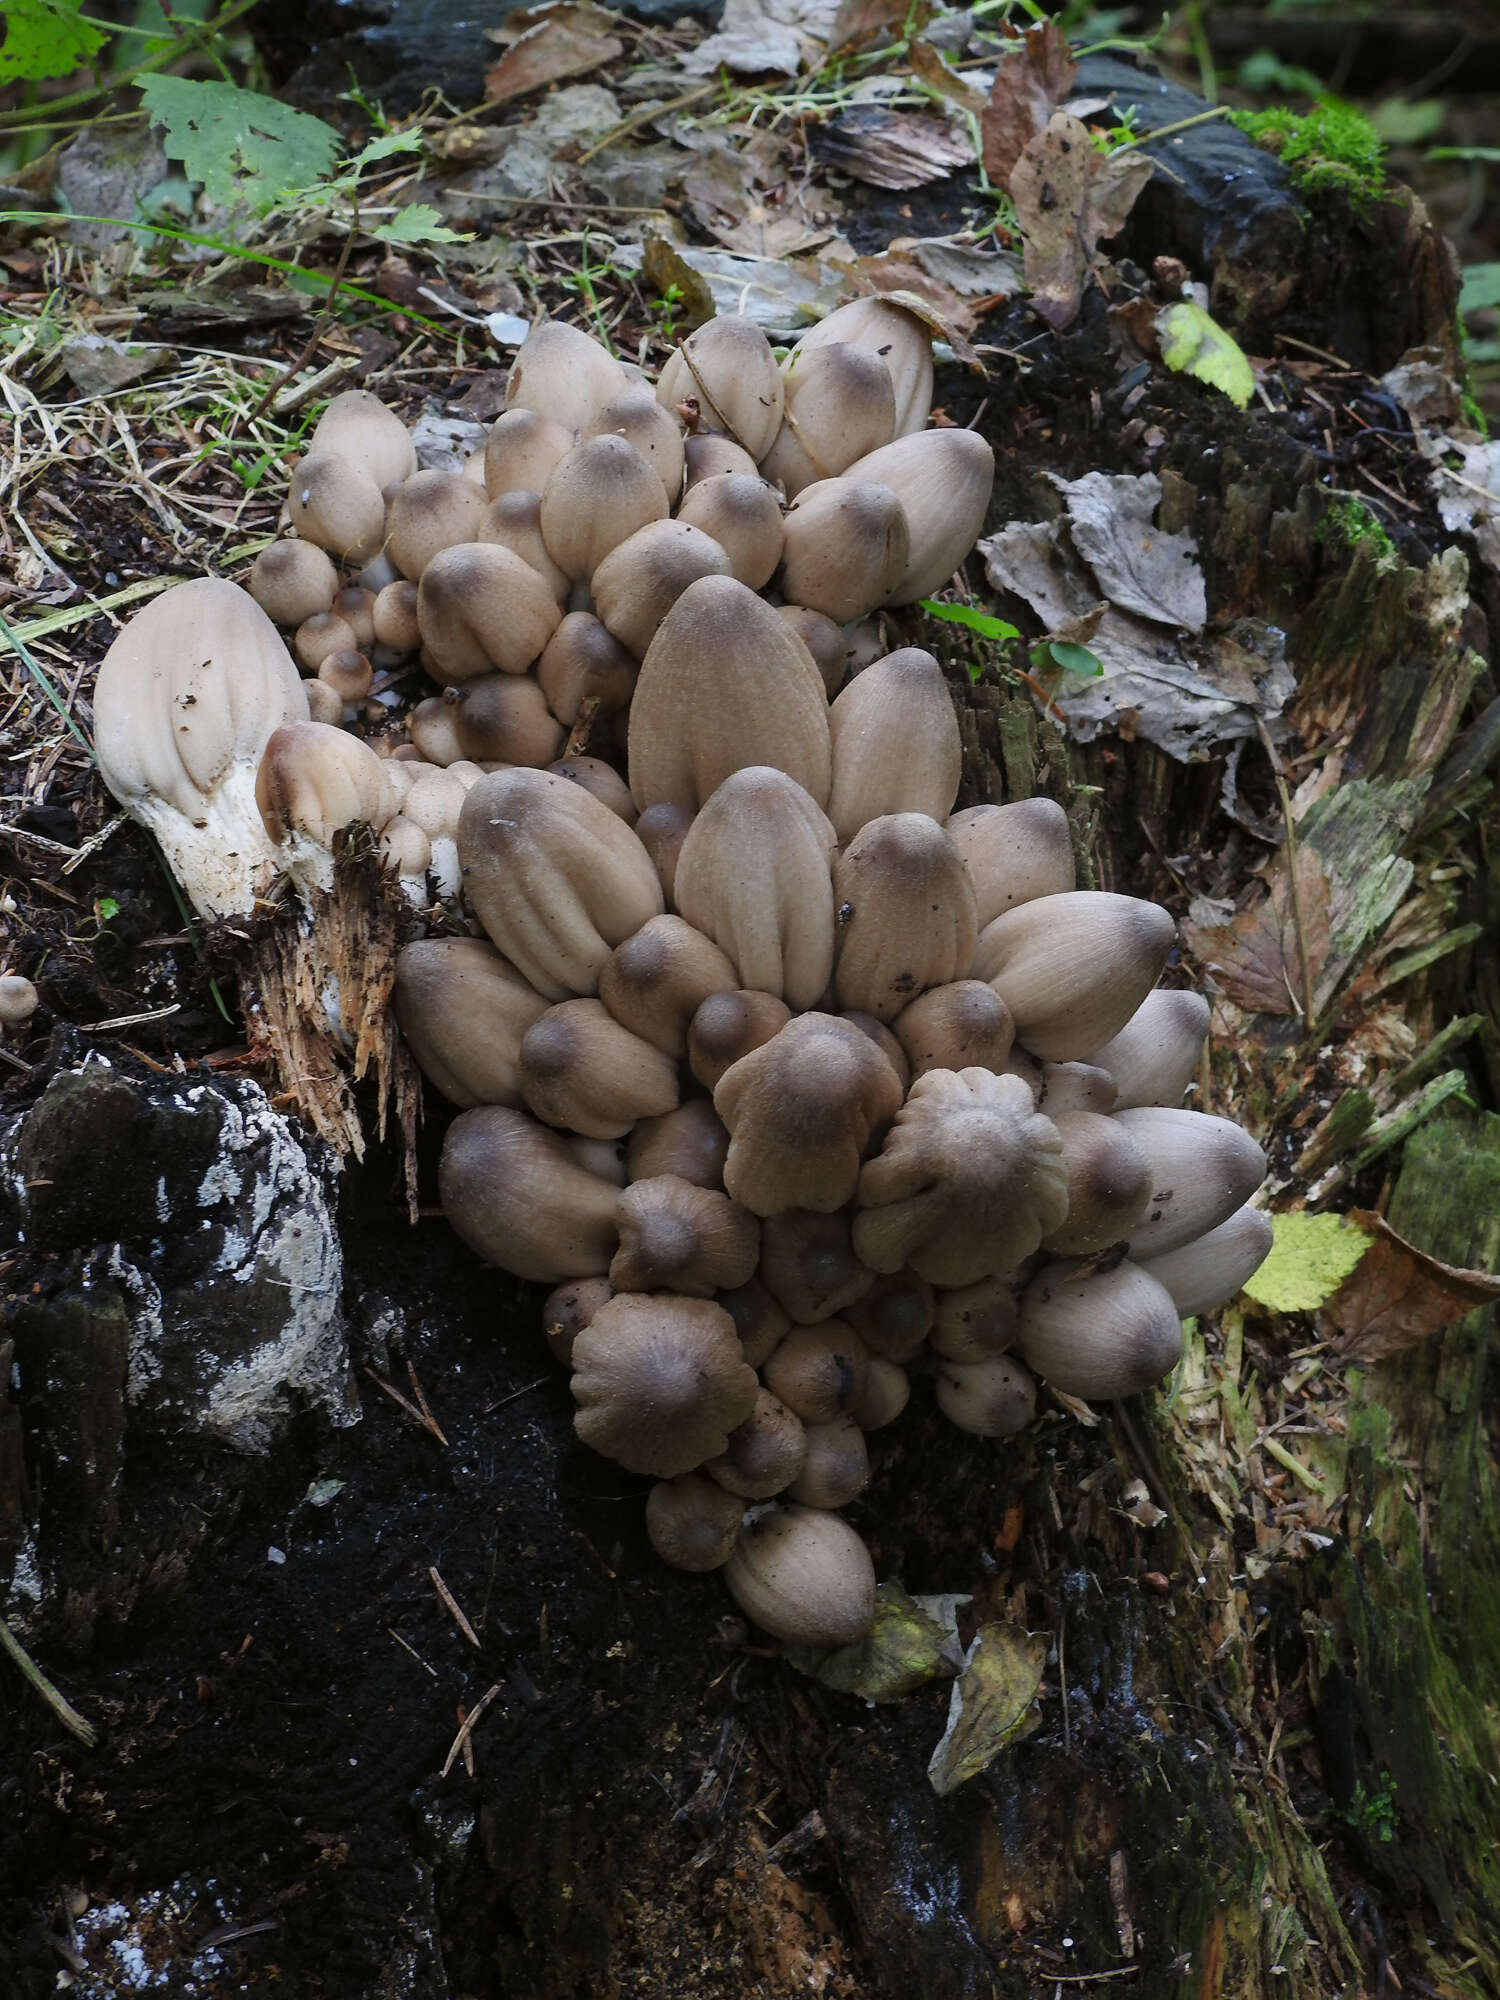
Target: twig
x=63 y=1709
x=129 y=1020
x=406 y=1403
x=454 y=1607
x=1062 y=1679
x=320 y=327
x=1140 y=139
x=645 y=115
x=416 y=1388
x=412 y=1650
x=460 y=1742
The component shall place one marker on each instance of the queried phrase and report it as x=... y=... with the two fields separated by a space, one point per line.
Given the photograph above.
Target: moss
x=1327 y=150
x=1349 y=521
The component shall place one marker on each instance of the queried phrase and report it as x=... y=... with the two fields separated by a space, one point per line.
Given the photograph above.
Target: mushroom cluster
x=788 y=1078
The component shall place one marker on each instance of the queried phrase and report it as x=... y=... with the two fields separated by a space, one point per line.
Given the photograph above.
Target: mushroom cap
x=1201 y=1170
x=358 y=428
x=19 y=999
x=808 y=1265
x=514 y=522
x=556 y=879
x=430 y=512
x=323 y=705
x=691 y=1523
x=727 y=1026
x=895 y=743
x=494 y=719
x=1098 y=1334
x=314 y=779
x=818 y=1371
x=337 y=505
x=480 y=607
x=1109 y=1184
x=689 y=1142
x=1155 y=1056
x=758 y=1319
x=1075 y=1086
x=1014 y=853
x=901 y=340
x=906 y=914
x=846 y=546
x=349 y=675
x=567 y=1310
x=581 y=1070
x=394 y=616
x=356 y=606
x=322 y=634
x=942 y=479
x=655 y=981
x=837 y=1468
x=743 y=515
x=514 y=1193
x=884 y=1040
x=725 y=684
x=522 y=451
x=726 y=366
x=677 y=1237
x=598 y=778
x=801 y=1110
x=824 y=640
x=992 y=1399
x=973 y=1322
x=804 y=1576
x=659 y=1382
x=639 y=581
x=894 y=1316
x=764 y=1454
x=1208 y=1271
x=291 y=580
x=1073 y=968
x=661 y=830
x=563 y=375
x=840 y=404
x=963 y=1025
x=656 y=433
x=598 y=496
x=709 y=453
x=464 y=1010
x=406 y=850
x=753 y=876
x=585 y=662
x=968 y=1182
x=885 y=1395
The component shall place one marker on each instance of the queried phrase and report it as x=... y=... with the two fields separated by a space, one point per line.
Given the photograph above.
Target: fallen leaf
x=962 y=269
x=912 y=1641
x=1309 y=1259
x=759 y=35
x=1468 y=495
x=1068 y=198
x=1139 y=567
x=1397 y=1296
x=782 y=295
x=96 y=364
x=1194 y=344
x=1031 y=80
x=928 y=63
x=1256 y=959
x=663 y=267
x=549 y=42
x=861 y=22
x=990 y=1705
x=893 y=149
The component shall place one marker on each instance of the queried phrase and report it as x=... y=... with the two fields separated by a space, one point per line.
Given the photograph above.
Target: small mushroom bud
x=584 y=662
x=563 y=375
x=691 y=1523
x=726 y=366
x=840 y=405
x=743 y=515
x=906 y=911
x=643 y=422
x=313 y=780
x=818 y=1371
x=753 y=876
x=580 y=1069
x=885 y=1395
x=661 y=830
x=349 y=675
x=598 y=778
x=19 y=1000
x=555 y=878
x=990 y=1399
x=434 y=801
x=689 y=1142
x=675 y=1237
x=394 y=617
x=1071 y=1087
x=323 y=705
x=800 y=1111
x=847 y=544
x=568 y=1309
x=639 y=581
x=823 y=639
x=337 y=506
x=522 y=452
x=356 y=606
x=895 y=743
x=902 y=342
x=809 y=1267
x=293 y=581
x=323 y=634
x=480 y=607
x=1014 y=853
x=837 y=1468
x=656 y=980
x=1109 y=1184
x=804 y=1576
x=728 y=1026
x=515 y=1194
x=894 y=1316
x=598 y=496
x=725 y=684
x=659 y=1383
x=1155 y=1056
x=764 y=1454
x=1099 y=1334
x=759 y=1321
x=1073 y=968
x=975 y=1322
x=514 y=522
x=942 y=480
x=963 y=1025
x=1207 y=1272
x=710 y=453
x=1201 y=1170
x=406 y=852
x=494 y=719
x=464 y=1012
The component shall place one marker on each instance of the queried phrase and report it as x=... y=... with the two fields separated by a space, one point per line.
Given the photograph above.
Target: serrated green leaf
x=1194 y=344
x=982 y=622
x=383 y=147
x=418 y=223
x=239 y=146
x=45 y=38
x=1310 y=1257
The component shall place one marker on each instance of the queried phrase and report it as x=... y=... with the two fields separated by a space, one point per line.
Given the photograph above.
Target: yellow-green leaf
x=990 y=1705
x=1310 y=1257
x=909 y=1644
x=1192 y=342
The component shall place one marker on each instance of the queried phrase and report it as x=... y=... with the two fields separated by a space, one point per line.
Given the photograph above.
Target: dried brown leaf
x=663 y=267
x=1069 y=198
x=550 y=42
x=893 y=149
x=1030 y=83
x=858 y=23
x=929 y=64
x=1256 y=958
x=1397 y=1296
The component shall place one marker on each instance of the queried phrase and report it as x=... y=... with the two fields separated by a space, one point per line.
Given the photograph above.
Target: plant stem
x=63 y=1709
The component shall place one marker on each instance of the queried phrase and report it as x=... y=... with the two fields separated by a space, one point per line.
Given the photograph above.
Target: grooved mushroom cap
x=840 y=404
x=808 y=1265
x=514 y=522
x=655 y=433
x=847 y=544
x=758 y=1319
x=1073 y=968
x=728 y=1026
x=430 y=512
x=556 y=879
x=584 y=662
x=292 y=580
x=725 y=684
x=764 y=1454
x=659 y=1382
x=358 y=428
x=517 y=1195
x=598 y=496
x=599 y=778
x=1209 y=1271
x=804 y=1576
x=463 y=1011
x=313 y=780
x=1155 y=1056
x=942 y=480
x=818 y=1371
x=580 y=1069
x=563 y=375
x=657 y=979
x=480 y=607
x=753 y=876
x=1202 y=1170
x=990 y=1399
x=689 y=1142
x=675 y=1237
x=186 y=700
x=743 y=515
x=493 y=719
x=895 y=743
x=522 y=452
x=567 y=1310
x=1014 y=853
x=338 y=506
x=963 y=1025
x=726 y=366
x=691 y=1523
x=837 y=1468
x=1109 y=1184
x=894 y=1317
x=801 y=1111
x=19 y=1000
x=638 y=582
x=902 y=342
x=1099 y=1334
x=906 y=912
x=968 y=1182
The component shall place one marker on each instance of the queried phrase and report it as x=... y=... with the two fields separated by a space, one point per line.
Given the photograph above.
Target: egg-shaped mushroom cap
x=1014 y=853
x=319 y=636
x=639 y=581
x=515 y=522
x=973 y=1322
x=337 y=505
x=758 y=1319
x=315 y=779
x=840 y=405
x=1208 y=1271
x=992 y=1399
x=292 y=580
x=430 y=512
x=602 y=780
x=823 y=639
x=480 y=607
x=567 y=1310
x=961 y=1025
x=677 y=1237
x=516 y=1194
x=689 y=1142
x=906 y=911
x=563 y=375
x=692 y=1523
x=394 y=616
x=764 y=1454
x=358 y=428
x=818 y=1371
x=968 y=1182
x=742 y=514
x=1201 y=1170
x=581 y=1070
x=800 y=1111
x=837 y=1468
x=1098 y=1334
x=1075 y=1086
x=846 y=545
x=895 y=1316
x=710 y=453
x=653 y=430
x=942 y=479
x=522 y=451
x=463 y=1010
x=556 y=879
x=885 y=1395
x=583 y=661
x=728 y=1026
x=725 y=684
x=804 y=1576
x=895 y=743
x=1073 y=968
x=808 y=1265
x=19 y=999
x=1155 y=1056
x=661 y=830
x=491 y=719
x=657 y=979
x=727 y=368
x=896 y=336
x=1109 y=1184
x=659 y=1382
x=597 y=498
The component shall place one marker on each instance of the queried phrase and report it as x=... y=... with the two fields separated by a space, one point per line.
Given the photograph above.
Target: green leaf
x=418 y=223
x=907 y=1646
x=982 y=622
x=382 y=149
x=107 y=908
x=1481 y=289
x=45 y=38
x=1464 y=153
x=990 y=1705
x=239 y=146
x=1310 y=1257
x=1072 y=658
x=1192 y=342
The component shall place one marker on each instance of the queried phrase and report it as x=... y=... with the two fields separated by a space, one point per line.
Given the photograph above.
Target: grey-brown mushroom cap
x=907 y=914
x=1207 y=1272
x=1202 y=1169
x=19 y=1000
x=991 y=1398
x=514 y=1192
x=660 y=1383
x=692 y=1523
x=655 y=981
x=678 y=1237
x=804 y=1576
x=765 y=1453
x=1099 y=1334
x=1073 y=968
x=464 y=1010
x=1155 y=1056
